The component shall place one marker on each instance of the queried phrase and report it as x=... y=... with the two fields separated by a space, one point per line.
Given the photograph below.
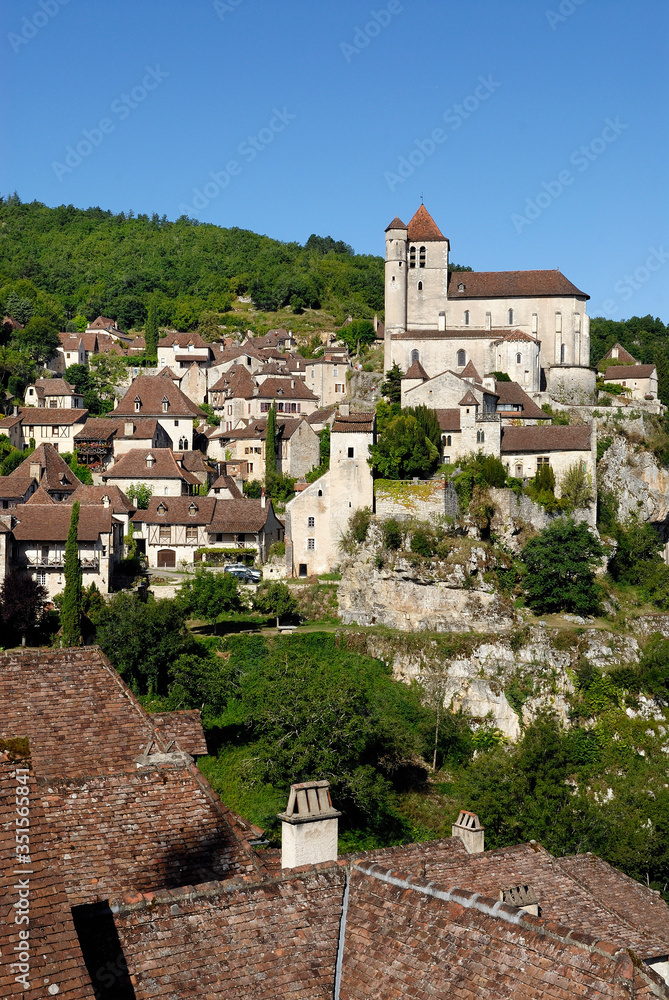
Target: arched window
x=519 y=359
x=510 y=317
x=480 y=437
x=415 y=356
x=412 y=257
x=466 y=317
x=420 y=286
x=562 y=354
x=421 y=257
x=462 y=358
x=448 y=439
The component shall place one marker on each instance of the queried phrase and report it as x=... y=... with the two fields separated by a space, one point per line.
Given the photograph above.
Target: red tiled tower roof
x=396 y=224
x=423 y=227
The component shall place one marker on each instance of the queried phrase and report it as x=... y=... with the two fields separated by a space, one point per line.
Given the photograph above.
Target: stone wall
x=420 y=499
x=571 y=384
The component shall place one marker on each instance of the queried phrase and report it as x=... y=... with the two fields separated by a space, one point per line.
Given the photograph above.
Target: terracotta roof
x=396 y=224
x=423 y=227
x=40 y=496
x=322 y=415
x=133 y=465
x=54 y=387
x=185 y=727
x=15 y=487
x=518 y=335
x=512 y=392
x=51 y=523
x=10 y=421
x=195 y=461
x=491 y=284
x=469 y=399
x=177 y=510
x=45 y=416
x=449 y=420
x=560 y=438
x=53 y=944
x=237 y=382
x=93 y=496
x=469 y=371
x=614 y=372
x=166 y=372
x=273 y=388
x=353 y=423
x=227 y=483
x=98 y=429
x=54 y=473
x=622 y=356
x=183 y=340
x=457 y=333
x=416 y=370
x=152 y=390
x=231 y=516
x=103 y=323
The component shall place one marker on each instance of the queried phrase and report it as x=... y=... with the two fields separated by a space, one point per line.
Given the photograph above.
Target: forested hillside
x=90 y=262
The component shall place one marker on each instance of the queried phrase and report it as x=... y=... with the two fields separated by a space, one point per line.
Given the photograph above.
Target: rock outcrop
x=636 y=480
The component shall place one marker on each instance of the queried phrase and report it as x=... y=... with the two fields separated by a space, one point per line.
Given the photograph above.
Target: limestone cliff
x=636 y=480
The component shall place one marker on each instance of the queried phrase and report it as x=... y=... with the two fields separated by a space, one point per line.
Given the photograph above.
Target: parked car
x=244 y=573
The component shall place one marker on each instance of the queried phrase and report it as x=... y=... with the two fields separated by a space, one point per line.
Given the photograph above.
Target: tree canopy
x=404 y=450
x=560 y=567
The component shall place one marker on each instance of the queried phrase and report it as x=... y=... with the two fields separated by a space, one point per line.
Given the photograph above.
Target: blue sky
x=536 y=131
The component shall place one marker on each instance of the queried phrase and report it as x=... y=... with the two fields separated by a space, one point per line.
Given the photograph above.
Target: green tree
x=70 y=612
x=22 y=605
x=108 y=372
x=560 y=567
x=359 y=333
x=140 y=494
x=427 y=421
x=392 y=386
x=403 y=451
x=151 y=329
x=39 y=338
x=274 y=598
x=270 y=447
x=209 y=595
x=661 y=361
x=576 y=487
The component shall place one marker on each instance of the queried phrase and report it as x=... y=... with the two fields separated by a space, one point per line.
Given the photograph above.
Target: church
x=531 y=325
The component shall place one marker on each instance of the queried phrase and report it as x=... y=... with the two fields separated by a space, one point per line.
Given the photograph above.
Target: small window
x=448 y=439
x=542 y=460
x=412 y=257
x=420 y=286
x=166 y=404
x=519 y=359
x=176 y=423
x=351 y=452
x=54 y=430
x=415 y=356
x=138 y=404
x=311 y=544
x=41 y=577
x=192 y=509
x=320 y=493
x=480 y=437
x=161 y=508
x=302 y=571
x=462 y=359
x=510 y=317
x=165 y=533
x=191 y=533
x=311 y=522
x=421 y=257
x=466 y=317
x=461 y=287
x=562 y=354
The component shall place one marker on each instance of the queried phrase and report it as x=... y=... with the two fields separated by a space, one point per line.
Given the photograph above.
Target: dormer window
x=412 y=257
x=192 y=509
x=138 y=404
x=150 y=461
x=461 y=287
x=166 y=404
x=421 y=257
x=161 y=508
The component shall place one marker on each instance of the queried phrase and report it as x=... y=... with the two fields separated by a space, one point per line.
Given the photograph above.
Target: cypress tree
x=70 y=612
x=151 y=329
x=270 y=447
x=662 y=365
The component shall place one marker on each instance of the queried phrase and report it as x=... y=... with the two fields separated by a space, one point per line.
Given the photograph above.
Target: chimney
x=129 y=428
x=263 y=501
x=442 y=320
x=344 y=410
x=292 y=383
x=35 y=471
x=469 y=830
x=309 y=826
x=106 y=501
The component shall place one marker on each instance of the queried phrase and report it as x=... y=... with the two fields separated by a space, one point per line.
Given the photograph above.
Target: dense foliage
x=65 y=262
x=560 y=565
x=71 y=608
x=645 y=337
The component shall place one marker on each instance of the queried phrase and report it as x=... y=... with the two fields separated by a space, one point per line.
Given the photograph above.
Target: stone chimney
x=309 y=826
x=469 y=830
x=35 y=471
x=129 y=428
x=106 y=501
x=263 y=500
x=442 y=321
x=344 y=409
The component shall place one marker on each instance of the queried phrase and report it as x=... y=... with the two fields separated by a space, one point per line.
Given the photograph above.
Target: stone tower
x=427 y=272
x=395 y=284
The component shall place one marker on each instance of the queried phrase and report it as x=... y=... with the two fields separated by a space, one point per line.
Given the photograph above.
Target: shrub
x=359 y=524
x=421 y=543
x=392 y=534
x=560 y=564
